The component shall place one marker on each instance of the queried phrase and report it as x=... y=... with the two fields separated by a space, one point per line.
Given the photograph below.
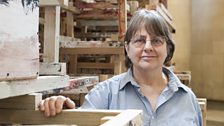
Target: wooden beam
x=126 y=118
x=122 y=17
x=95 y=65
x=81 y=85
x=203 y=105
x=118 y=64
x=166 y=11
x=27 y=102
x=70 y=24
x=51 y=34
x=163 y=14
x=52 y=69
x=97 y=22
x=73 y=116
x=92 y=35
x=22 y=87
x=43 y=3
x=92 y=50
x=47 y=3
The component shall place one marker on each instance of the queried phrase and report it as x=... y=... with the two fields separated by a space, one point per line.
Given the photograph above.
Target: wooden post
x=122 y=19
x=51 y=34
x=70 y=22
x=73 y=64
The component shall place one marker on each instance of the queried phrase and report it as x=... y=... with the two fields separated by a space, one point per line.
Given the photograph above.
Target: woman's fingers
x=46 y=107
x=41 y=106
x=69 y=103
x=53 y=105
x=59 y=103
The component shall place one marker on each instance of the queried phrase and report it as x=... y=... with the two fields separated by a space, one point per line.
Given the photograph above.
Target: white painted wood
x=126 y=118
x=52 y=69
x=19 y=45
x=79 y=117
x=49 y=3
x=72 y=116
x=62 y=3
x=42 y=83
x=51 y=34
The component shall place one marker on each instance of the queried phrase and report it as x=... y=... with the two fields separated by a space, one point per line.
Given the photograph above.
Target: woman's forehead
x=142 y=32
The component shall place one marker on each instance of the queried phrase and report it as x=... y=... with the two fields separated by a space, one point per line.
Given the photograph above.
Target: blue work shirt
x=176 y=106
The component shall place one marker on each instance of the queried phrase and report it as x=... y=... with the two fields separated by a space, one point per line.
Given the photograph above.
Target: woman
x=147 y=85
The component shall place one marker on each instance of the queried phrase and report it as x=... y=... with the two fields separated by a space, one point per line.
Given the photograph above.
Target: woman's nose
x=148 y=45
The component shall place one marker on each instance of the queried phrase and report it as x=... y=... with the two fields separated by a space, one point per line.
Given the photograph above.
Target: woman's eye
x=156 y=41
x=139 y=41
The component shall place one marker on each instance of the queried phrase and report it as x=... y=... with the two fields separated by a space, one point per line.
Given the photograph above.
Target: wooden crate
x=116 y=66
x=29 y=115
x=19 y=46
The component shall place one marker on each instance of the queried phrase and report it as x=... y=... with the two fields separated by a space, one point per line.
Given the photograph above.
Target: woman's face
x=146 y=52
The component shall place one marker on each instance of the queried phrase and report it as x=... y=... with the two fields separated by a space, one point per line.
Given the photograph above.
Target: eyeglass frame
x=140 y=42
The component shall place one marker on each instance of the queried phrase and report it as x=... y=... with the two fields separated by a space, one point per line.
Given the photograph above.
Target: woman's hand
x=54 y=105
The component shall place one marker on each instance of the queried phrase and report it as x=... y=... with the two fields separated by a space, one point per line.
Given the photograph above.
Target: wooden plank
x=22 y=87
x=203 y=105
x=118 y=64
x=95 y=5
x=61 y=3
x=97 y=16
x=77 y=85
x=70 y=22
x=27 y=102
x=122 y=17
x=97 y=22
x=166 y=11
x=19 y=45
x=82 y=84
x=52 y=69
x=63 y=26
x=51 y=34
x=160 y=11
x=126 y=118
x=95 y=65
x=73 y=116
x=92 y=35
x=43 y=3
x=72 y=65
x=92 y=50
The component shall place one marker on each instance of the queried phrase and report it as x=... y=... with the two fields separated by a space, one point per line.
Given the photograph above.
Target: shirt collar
x=174 y=83
x=128 y=79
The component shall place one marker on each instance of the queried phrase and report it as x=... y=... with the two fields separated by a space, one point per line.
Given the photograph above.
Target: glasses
x=140 y=42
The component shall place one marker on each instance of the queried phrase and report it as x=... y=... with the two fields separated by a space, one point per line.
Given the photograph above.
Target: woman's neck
x=151 y=78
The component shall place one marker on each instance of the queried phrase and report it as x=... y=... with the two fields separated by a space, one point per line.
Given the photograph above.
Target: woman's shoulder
x=113 y=81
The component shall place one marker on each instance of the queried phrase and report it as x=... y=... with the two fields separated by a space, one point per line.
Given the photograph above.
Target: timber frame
x=25 y=111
